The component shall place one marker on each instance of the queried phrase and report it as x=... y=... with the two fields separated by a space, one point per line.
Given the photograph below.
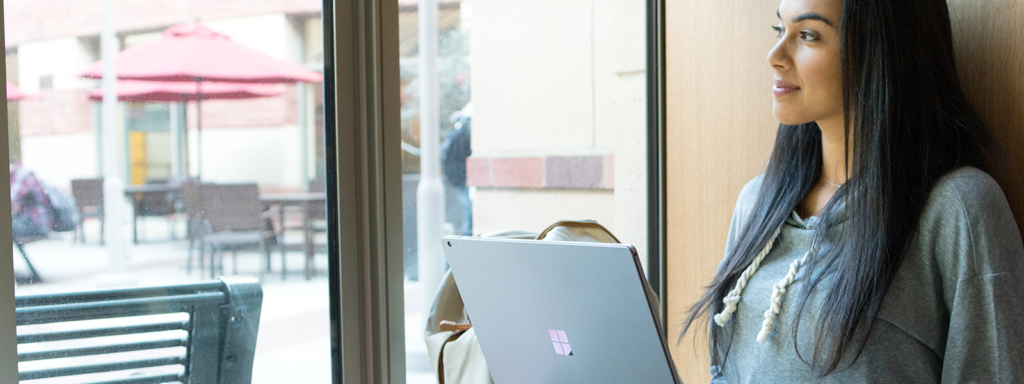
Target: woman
x=873 y=249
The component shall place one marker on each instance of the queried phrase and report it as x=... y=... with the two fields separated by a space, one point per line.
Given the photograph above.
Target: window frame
x=366 y=270
x=8 y=336
x=372 y=301
x=656 y=219
x=364 y=191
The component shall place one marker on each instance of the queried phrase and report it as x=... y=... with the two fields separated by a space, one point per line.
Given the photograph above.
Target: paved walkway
x=293 y=345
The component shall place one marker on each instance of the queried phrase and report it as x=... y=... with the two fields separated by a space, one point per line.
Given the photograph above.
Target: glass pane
x=541 y=117
x=170 y=193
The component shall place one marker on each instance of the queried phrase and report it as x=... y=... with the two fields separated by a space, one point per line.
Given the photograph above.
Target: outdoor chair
x=318 y=213
x=194 y=220
x=193 y=333
x=317 y=219
x=233 y=219
x=159 y=204
x=88 y=195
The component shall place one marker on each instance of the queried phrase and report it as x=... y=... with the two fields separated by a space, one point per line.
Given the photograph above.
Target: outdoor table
x=305 y=202
x=137 y=193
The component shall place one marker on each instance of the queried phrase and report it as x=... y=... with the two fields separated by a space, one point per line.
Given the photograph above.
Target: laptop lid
x=560 y=312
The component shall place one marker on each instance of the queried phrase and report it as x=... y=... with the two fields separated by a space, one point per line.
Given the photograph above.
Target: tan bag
x=454 y=351
x=452 y=346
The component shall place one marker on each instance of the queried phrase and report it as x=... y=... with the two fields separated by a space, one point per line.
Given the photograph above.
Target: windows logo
x=560 y=341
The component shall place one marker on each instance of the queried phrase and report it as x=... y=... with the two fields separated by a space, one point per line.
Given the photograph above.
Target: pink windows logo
x=560 y=341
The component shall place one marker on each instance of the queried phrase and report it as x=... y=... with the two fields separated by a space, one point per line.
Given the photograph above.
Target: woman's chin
x=793 y=122
x=788 y=118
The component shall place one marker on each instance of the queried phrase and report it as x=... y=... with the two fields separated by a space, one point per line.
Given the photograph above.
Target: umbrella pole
x=199 y=133
x=186 y=148
x=173 y=125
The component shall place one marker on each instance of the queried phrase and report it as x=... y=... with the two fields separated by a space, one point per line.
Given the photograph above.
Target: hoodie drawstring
x=778 y=291
x=734 y=295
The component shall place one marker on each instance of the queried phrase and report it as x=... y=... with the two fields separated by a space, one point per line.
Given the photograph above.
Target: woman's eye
x=808 y=36
x=778 y=30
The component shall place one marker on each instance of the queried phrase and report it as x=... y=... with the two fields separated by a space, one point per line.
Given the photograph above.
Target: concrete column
x=113 y=185
x=430 y=192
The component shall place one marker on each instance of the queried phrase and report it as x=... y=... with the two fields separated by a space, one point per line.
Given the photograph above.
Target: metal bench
x=191 y=333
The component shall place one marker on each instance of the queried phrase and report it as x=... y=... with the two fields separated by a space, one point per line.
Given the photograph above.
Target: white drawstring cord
x=779 y=293
x=733 y=297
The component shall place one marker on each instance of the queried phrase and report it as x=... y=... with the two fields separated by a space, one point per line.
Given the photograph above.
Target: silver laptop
x=558 y=312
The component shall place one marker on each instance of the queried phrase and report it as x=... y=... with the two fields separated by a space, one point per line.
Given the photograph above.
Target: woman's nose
x=778 y=56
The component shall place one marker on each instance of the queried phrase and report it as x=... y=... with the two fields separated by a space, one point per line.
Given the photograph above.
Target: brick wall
x=55 y=112
x=30 y=20
x=563 y=172
x=75 y=114
x=261 y=112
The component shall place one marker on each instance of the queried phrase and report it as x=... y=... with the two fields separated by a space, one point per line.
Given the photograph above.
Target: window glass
x=219 y=204
x=540 y=117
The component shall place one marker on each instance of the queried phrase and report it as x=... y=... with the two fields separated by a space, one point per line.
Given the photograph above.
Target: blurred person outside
x=30 y=207
x=38 y=208
x=454 y=152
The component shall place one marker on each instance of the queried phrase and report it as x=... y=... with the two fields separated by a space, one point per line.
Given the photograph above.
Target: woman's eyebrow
x=808 y=16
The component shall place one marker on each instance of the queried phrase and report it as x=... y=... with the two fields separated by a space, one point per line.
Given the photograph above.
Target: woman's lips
x=782 y=88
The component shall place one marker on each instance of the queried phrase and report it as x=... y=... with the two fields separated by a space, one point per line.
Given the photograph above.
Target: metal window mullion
x=392 y=169
x=656 y=240
x=364 y=190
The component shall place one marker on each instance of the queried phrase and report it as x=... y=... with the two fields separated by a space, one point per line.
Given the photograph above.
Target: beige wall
x=269 y=156
x=535 y=209
x=619 y=63
x=59 y=158
x=561 y=78
x=533 y=75
x=63 y=58
x=546 y=75
x=720 y=128
x=621 y=110
x=270 y=34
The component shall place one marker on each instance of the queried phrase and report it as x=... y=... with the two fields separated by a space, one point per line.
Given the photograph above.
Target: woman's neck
x=834 y=165
x=834 y=168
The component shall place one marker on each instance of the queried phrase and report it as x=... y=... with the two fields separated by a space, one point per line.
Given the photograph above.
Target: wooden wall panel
x=989 y=39
x=720 y=131
x=720 y=128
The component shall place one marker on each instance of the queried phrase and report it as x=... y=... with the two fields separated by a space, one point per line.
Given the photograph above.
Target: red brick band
x=567 y=172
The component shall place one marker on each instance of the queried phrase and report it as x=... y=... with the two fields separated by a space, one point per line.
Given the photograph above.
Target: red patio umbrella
x=14 y=93
x=193 y=53
x=165 y=91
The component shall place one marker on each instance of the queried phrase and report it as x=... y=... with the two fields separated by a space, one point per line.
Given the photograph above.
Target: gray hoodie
x=953 y=314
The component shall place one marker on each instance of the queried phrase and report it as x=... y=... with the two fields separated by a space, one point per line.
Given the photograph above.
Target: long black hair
x=910 y=124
